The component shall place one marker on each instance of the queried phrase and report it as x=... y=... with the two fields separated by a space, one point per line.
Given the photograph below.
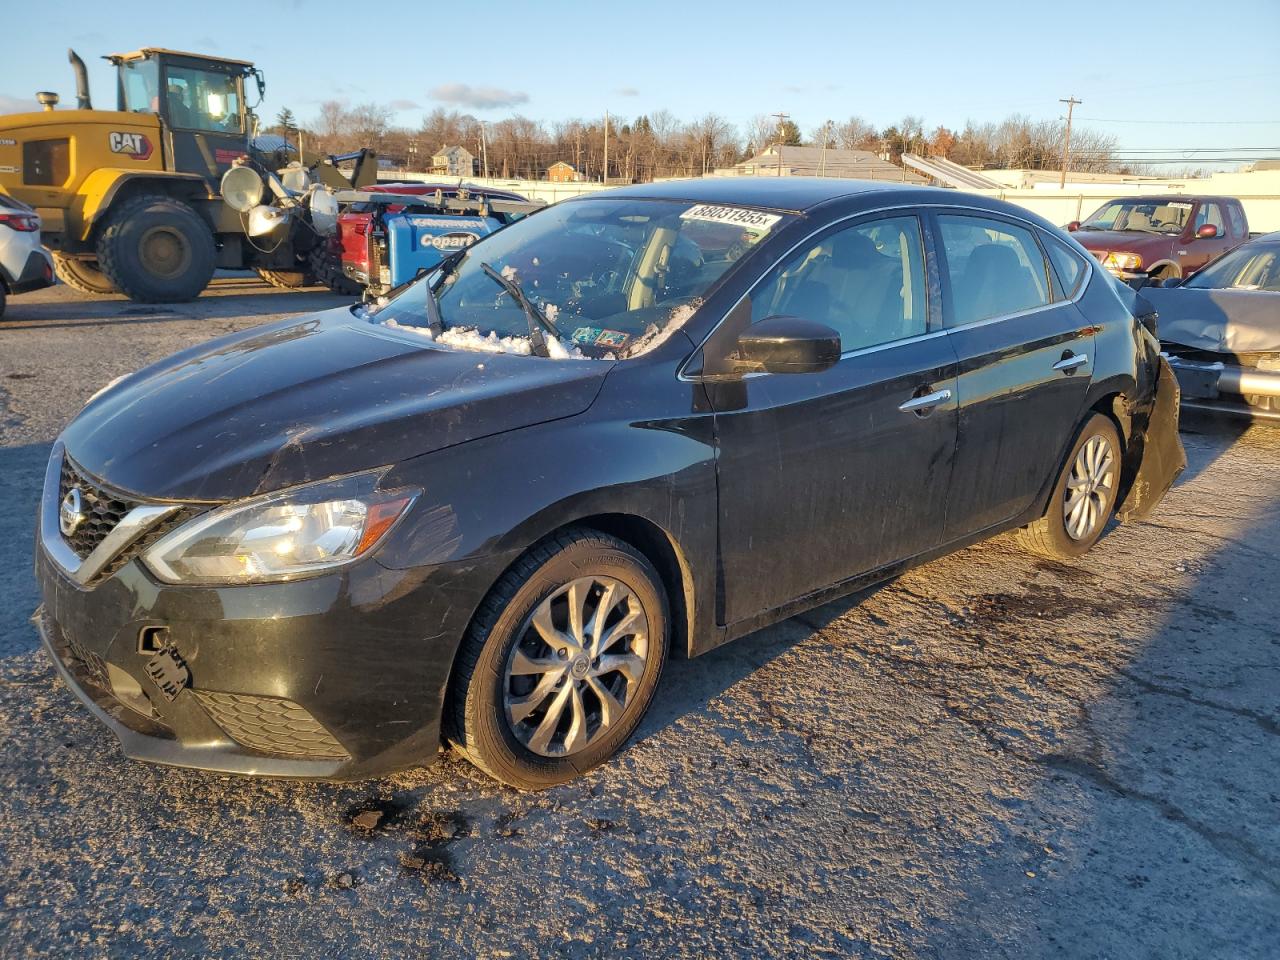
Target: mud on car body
x=639 y=423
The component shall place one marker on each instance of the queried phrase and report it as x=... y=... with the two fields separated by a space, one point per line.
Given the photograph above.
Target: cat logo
x=132 y=145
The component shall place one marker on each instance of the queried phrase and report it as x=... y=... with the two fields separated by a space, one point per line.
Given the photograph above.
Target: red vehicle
x=361 y=235
x=1161 y=237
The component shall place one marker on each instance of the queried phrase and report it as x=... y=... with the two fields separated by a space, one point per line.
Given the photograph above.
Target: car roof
x=795 y=194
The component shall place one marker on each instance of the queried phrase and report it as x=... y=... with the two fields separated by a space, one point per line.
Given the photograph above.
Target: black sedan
x=638 y=424
x=1221 y=330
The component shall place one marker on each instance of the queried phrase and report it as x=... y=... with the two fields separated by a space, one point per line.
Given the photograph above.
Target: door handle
x=1069 y=364
x=925 y=403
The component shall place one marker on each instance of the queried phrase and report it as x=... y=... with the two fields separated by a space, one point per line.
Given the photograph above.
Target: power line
x=1182 y=122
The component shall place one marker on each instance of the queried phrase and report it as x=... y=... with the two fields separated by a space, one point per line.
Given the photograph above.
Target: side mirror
x=1207 y=232
x=1073 y=226
x=782 y=344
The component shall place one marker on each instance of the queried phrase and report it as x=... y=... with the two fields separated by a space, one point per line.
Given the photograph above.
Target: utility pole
x=826 y=137
x=780 y=117
x=1071 y=103
x=484 y=147
x=605 y=179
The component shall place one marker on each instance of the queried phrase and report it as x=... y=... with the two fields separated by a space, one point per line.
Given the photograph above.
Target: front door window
x=202 y=100
x=865 y=282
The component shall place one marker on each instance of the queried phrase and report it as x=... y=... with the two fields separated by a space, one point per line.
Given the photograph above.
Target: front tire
x=82 y=275
x=1084 y=498
x=561 y=661
x=157 y=250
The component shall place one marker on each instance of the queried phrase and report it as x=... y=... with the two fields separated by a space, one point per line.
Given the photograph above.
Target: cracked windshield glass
x=600 y=279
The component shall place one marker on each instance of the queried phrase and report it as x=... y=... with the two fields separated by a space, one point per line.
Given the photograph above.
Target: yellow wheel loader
x=130 y=199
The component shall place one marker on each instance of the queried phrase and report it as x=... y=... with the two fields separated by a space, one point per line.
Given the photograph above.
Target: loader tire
x=325 y=263
x=286 y=279
x=156 y=249
x=82 y=275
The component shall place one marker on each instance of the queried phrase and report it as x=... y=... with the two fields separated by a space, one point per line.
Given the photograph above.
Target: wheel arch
x=105 y=188
x=1166 y=268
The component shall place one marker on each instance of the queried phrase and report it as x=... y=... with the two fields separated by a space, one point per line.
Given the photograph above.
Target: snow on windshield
x=470 y=338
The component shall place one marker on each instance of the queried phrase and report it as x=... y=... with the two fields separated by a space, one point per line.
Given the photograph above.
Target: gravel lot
x=992 y=756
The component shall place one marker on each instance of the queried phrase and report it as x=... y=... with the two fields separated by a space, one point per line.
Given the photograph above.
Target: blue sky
x=1196 y=68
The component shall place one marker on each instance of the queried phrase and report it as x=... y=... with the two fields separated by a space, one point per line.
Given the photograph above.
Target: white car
x=24 y=264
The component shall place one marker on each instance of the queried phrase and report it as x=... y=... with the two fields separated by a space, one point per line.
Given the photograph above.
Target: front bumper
x=341 y=676
x=1230 y=388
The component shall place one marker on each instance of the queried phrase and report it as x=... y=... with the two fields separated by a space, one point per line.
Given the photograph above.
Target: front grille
x=102 y=507
x=275 y=727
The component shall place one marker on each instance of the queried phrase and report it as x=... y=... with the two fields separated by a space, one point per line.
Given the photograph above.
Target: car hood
x=1219 y=321
x=1105 y=241
x=328 y=394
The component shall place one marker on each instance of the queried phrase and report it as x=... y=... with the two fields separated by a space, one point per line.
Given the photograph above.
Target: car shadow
x=1151 y=828
x=21 y=479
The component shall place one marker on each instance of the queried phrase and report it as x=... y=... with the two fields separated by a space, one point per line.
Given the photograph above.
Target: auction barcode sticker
x=734 y=216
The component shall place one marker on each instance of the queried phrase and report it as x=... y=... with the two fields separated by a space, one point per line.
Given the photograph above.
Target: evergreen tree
x=790 y=134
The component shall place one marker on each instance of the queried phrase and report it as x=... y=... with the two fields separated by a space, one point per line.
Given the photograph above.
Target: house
x=562 y=172
x=453 y=162
x=817 y=162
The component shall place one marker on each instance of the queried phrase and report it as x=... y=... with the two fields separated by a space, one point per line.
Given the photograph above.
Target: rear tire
x=83 y=275
x=1083 y=499
x=157 y=250
x=531 y=706
x=2 y=301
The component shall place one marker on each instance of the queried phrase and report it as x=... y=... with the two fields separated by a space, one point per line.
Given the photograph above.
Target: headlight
x=1122 y=261
x=281 y=536
x=242 y=188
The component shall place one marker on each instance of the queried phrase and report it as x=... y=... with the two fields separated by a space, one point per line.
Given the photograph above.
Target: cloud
x=21 y=104
x=792 y=88
x=481 y=98
x=405 y=105
x=627 y=92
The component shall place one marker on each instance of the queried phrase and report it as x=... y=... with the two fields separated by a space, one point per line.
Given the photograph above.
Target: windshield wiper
x=537 y=320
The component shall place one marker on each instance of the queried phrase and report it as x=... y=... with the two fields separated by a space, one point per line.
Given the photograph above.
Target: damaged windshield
x=614 y=277
x=1255 y=266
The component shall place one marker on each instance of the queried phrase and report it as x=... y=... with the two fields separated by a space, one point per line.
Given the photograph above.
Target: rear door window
x=1068 y=266
x=995 y=268
x=1236 y=217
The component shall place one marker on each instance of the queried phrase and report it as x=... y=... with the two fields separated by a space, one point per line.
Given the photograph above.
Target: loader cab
x=200 y=102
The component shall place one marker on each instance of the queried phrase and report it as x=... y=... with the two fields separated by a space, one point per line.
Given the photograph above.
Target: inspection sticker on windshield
x=734 y=216
x=600 y=337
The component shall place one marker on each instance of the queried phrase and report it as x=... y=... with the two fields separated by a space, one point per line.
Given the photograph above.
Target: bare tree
x=856 y=134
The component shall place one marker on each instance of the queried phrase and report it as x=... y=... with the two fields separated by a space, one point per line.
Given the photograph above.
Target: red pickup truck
x=1161 y=237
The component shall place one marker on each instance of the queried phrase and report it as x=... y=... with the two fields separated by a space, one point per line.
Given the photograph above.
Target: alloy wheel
x=1090 y=488
x=575 y=666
